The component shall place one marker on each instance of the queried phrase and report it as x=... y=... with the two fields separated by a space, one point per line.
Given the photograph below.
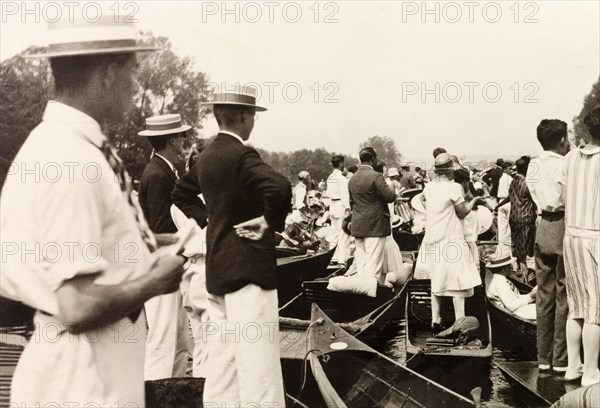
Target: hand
x=165 y=239
x=253 y=229
x=167 y=272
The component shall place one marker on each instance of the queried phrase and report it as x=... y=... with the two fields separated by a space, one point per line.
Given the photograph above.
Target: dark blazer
x=238 y=186
x=185 y=197
x=369 y=198
x=156 y=185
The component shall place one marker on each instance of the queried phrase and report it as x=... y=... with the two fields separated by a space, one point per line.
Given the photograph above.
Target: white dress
x=445 y=254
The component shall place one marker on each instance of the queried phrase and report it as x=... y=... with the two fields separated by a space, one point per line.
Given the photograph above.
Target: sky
x=474 y=77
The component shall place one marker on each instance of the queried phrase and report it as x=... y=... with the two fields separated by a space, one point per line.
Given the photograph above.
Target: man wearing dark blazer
x=247 y=202
x=167 y=345
x=369 y=198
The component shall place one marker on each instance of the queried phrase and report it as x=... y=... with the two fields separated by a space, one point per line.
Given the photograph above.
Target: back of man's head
x=74 y=73
x=337 y=161
x=550 y=132
x=367 y=155
x=592 y=122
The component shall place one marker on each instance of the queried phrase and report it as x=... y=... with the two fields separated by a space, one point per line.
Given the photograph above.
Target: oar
x=476 y=394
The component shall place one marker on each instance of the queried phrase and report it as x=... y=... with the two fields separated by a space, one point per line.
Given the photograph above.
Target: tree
x=386 y=150
x=591 y=100
x=165 y=83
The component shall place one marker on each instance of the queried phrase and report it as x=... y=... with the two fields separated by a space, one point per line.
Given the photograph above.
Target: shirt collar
x=226 y=132
x=85 y=125
x=366 y=165
x=168 y=162
x=547 y=153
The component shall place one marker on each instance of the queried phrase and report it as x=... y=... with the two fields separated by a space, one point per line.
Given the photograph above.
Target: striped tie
x=125 y=182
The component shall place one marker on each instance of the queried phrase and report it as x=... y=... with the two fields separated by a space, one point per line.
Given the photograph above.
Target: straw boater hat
x=67 y=39
x=498 y=261
x=240 y=95
x=164 y=125
x=392 y=171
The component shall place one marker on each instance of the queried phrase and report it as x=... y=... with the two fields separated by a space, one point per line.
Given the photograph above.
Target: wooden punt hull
x=351 y=374
x=293 y=270
x=418 y=322
x=529 y=387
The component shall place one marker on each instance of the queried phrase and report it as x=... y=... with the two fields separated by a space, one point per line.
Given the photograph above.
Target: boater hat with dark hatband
x=498 y=261
x=104 y=36
x=164 y=125
x=443 y=164
x=240 y=95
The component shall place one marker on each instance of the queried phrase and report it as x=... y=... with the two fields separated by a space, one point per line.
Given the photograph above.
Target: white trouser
x=504 y=240
x=167 y=345
x=195 y=303
x=342 y=252
x=369 y=257
x=243 y=341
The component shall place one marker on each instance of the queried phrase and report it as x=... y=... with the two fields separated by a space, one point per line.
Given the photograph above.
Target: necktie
x=118 y=168
x=125 y=183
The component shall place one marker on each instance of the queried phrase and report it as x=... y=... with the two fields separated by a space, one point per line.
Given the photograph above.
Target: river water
x=496 y=392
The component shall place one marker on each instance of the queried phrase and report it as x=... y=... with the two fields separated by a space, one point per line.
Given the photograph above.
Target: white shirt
x=63 y=208
x=503 y=294
x=337 y=188
x=543 y=181
x=299 y=196
x=504 y=185
x=238 y=137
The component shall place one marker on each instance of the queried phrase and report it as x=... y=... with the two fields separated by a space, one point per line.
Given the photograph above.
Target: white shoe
x=573 y=373
x=590 y=380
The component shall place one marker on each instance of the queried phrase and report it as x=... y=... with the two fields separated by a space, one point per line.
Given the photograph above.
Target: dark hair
x=160 y=142
x=522 y=163
x=550 y=132
x=592 y=121
x=461 y=175
x=367 y=154
x=74 y=71
x=337 y=160
x=227 y=115
x=437 y=151
x=379 y=166
x=352 y=169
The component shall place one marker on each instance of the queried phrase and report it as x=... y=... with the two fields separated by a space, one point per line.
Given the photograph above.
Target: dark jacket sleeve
x=159 y=205
x=383 y=190
x=275 y=189
x=185 y=197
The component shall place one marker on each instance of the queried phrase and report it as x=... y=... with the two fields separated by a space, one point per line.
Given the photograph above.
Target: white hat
x=164 y=125
x=88 y=38
x=392 y=171
x=235 y=95
x=303 y=175
x=496 y=261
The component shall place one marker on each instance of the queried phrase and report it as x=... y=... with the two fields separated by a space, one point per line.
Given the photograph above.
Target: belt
x=336 y=199
x=552 y=214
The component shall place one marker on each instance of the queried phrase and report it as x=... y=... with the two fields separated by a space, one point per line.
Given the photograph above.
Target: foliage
x=591 y=100
x=386 y=150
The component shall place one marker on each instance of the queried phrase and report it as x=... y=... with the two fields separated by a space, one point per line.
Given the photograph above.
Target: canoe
x=294 y=321
x=293 y=270
x=418 y=322
x=529 y=387
x=351 y=374
x=512 y=331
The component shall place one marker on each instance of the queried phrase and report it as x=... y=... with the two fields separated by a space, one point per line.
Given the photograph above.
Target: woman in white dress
x=444 y=252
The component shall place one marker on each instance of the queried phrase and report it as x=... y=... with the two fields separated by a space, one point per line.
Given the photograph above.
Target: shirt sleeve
x=511 y=300
x=344 y=192
x=185 y=196
x=456 y=193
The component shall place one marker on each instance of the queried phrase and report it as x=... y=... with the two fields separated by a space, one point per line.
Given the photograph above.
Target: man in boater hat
x=167 y=344
x=97 y=269
x=247 y=202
